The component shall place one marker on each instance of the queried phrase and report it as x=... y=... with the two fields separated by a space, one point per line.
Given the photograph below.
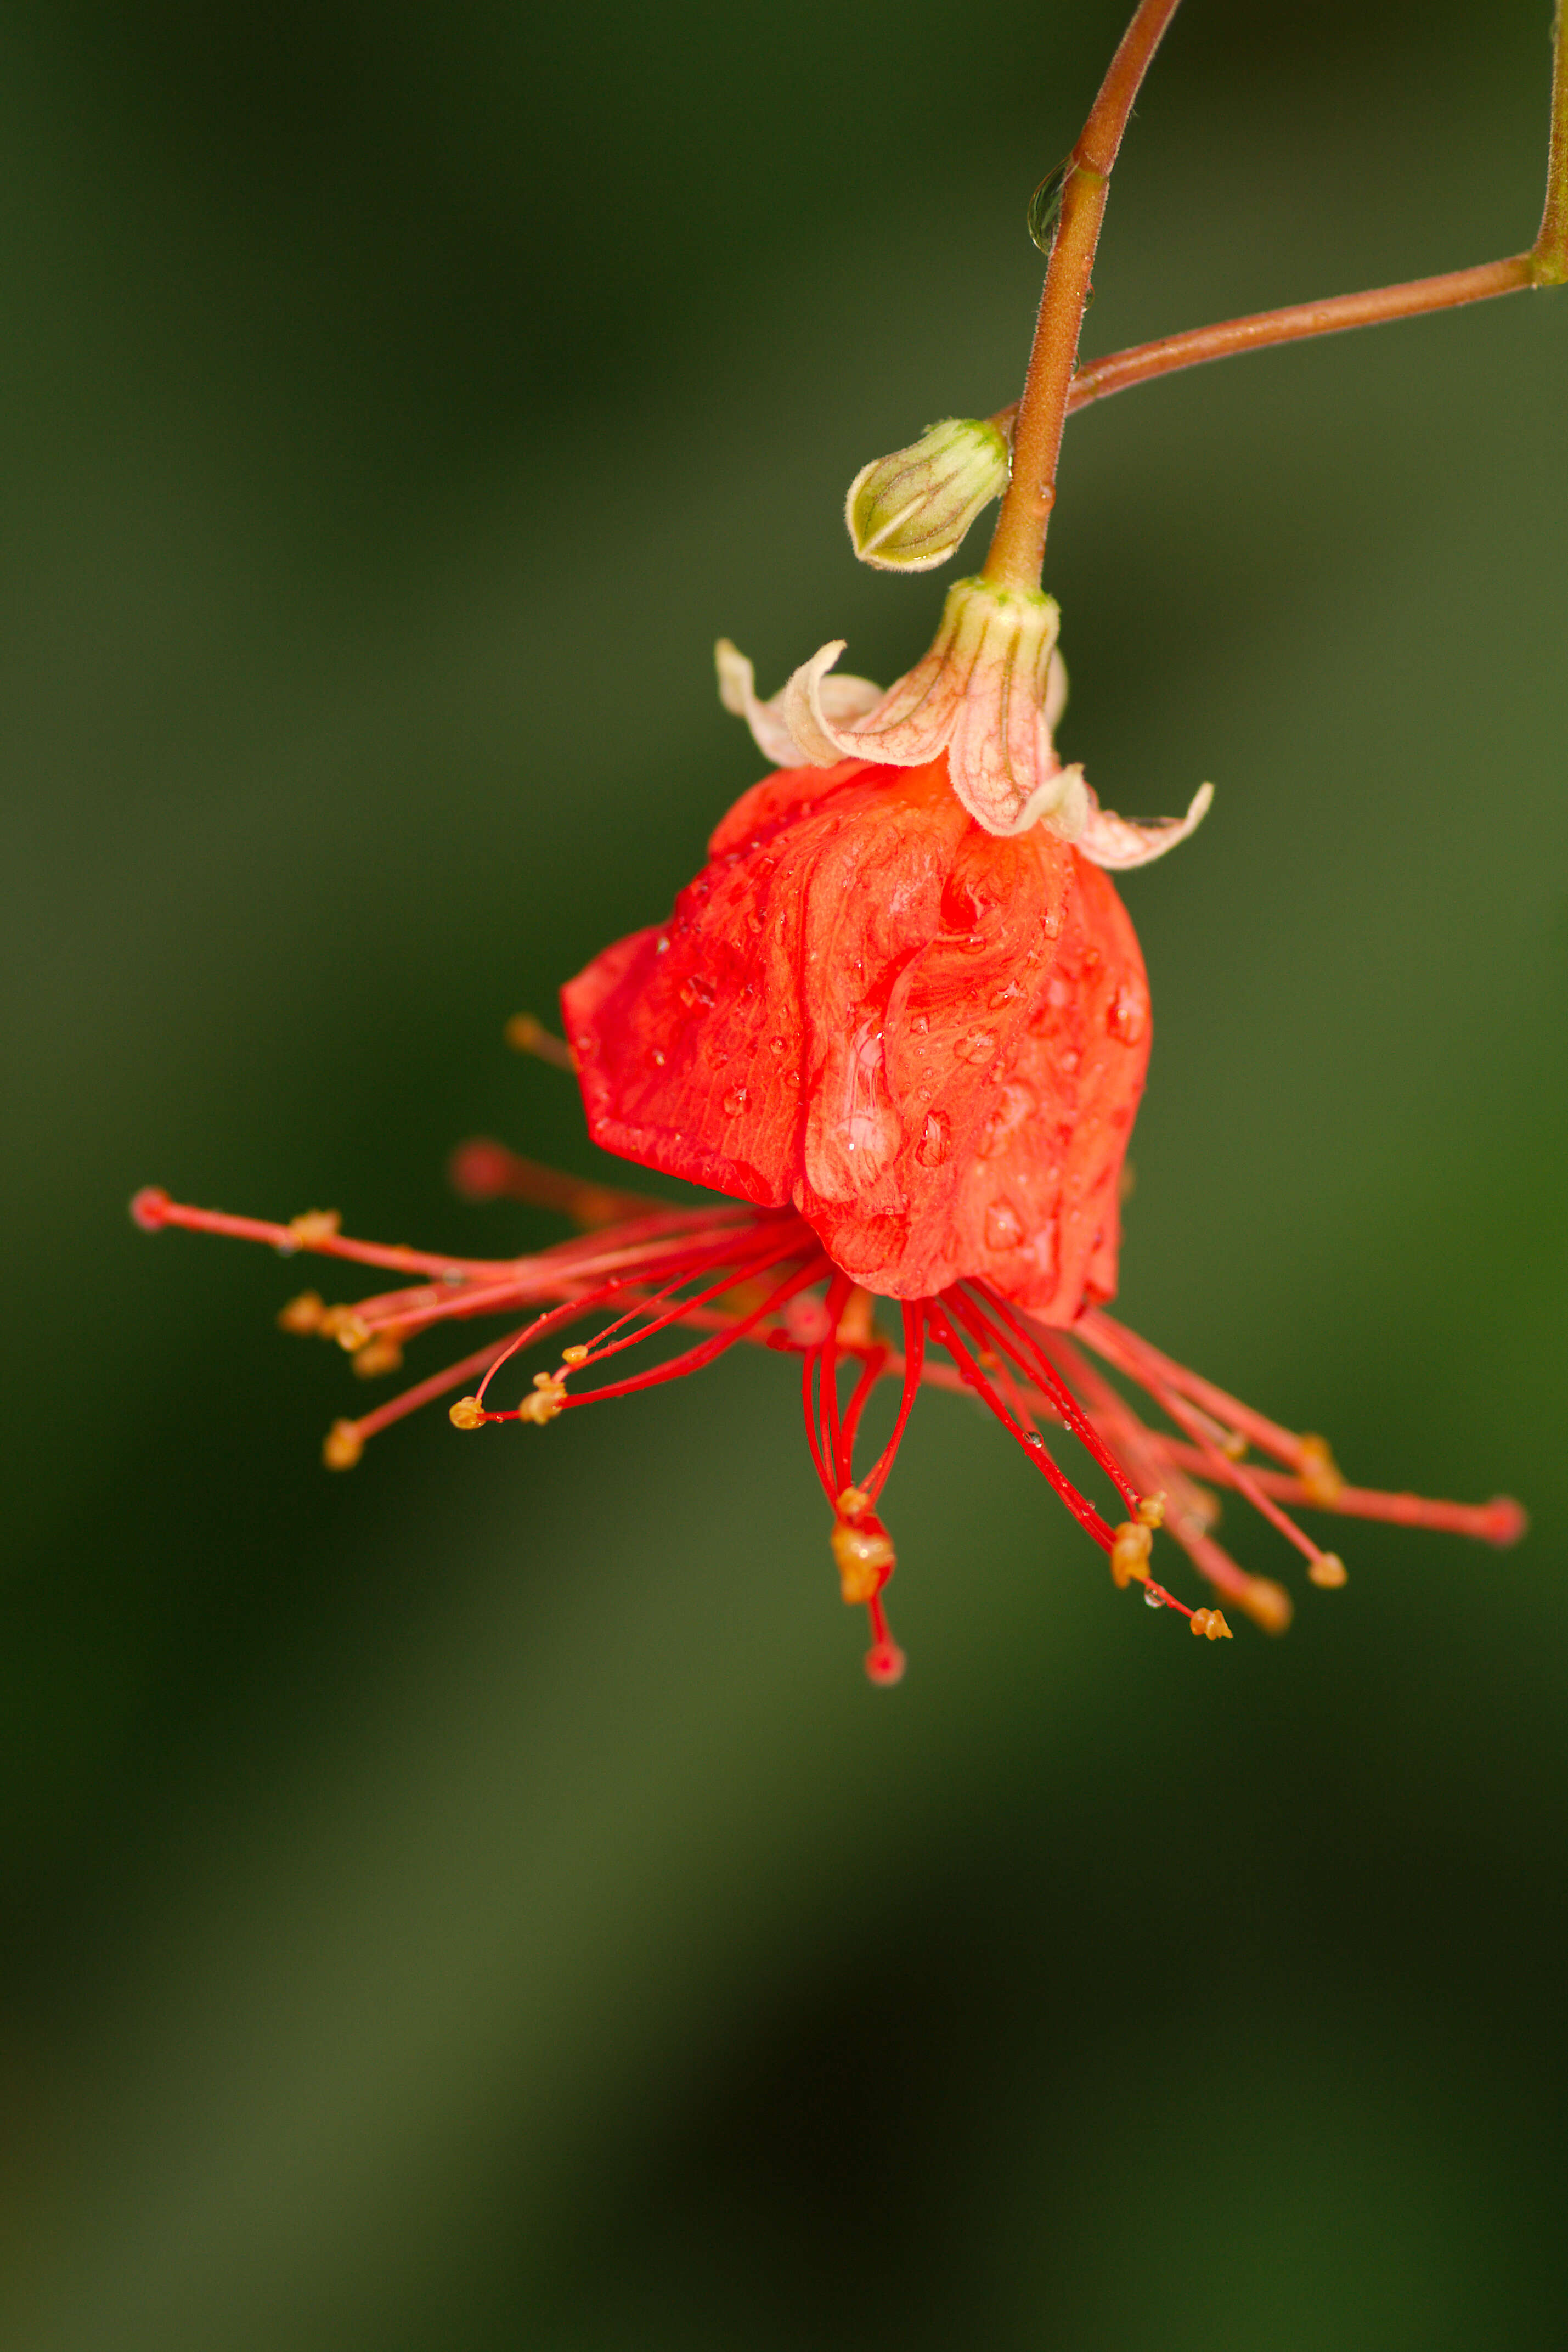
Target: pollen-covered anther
x=342 y=1445
x=574 y=1355
x=377 y=1356
x=1131 y=1544
x=1320 y=1474
x=302 y=1313
x=1211 y=1622
x=857 y=1326
x=1329 y=1571
x=862 y=1549
x=527 y=1034
x=467 y=1413
x=1151 y=1510
x=315 y=1225
x=1268 y=1604
x=548 y=1397
x=349 y=1330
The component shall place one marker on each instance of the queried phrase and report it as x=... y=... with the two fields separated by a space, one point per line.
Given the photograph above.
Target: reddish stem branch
x=1018 y=543
x=1546 y=264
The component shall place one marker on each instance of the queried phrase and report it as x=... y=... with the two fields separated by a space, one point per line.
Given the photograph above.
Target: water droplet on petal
x=919 y=1023
x=1004 y=995
x=657 y=1057
x=932 y=1148
x=695 y=991
x=1127 y=1014
x=977 y=1045
x=735 y=1102
x=1004 y=1226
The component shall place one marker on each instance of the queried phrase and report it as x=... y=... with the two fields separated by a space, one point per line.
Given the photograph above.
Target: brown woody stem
x=1020 y=540
x=1546 y=264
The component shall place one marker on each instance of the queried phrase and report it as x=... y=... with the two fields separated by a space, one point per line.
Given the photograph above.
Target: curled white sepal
x=1115 y=840
x=776 y=738
x=988 y=693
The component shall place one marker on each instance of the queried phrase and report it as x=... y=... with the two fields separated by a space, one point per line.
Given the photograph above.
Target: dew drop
x=657 y=1057
x=934 y=1137
x=1004 y=1227
x=662 y=944
x=1051 y=924
x=919 y=1024
x=1152 y=1600
x=753 y=923
x=791 y=1077
x=977 y=1045
x=1032 y=1437
x=778 y=1044
x=1004 y=995
x=1127 y=1016
x=735 y=1102
x=695 y=991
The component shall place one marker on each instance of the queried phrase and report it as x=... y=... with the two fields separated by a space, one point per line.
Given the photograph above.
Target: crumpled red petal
x=930 y=1039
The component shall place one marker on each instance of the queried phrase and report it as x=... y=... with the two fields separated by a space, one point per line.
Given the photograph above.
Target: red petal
x=932 y=1039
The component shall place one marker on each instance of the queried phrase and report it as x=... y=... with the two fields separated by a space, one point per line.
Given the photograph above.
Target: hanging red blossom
x=899 y=1026
x=910 y=1051
x=928 y=1040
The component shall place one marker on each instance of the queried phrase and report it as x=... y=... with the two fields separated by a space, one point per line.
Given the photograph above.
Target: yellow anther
x=524 y=1034
x=1319 y=1472
x=315 y=1225
x=1233 y=1446
x=302 y=1313
x=1267 y=1603
x=467 y=1413
x=1212 y=1622
x=856 y=1326
x=1132 y=1542
x=574 y=1355
x=342 y=1447
x=333 y=1322
x=548 y=1396
x=1329 y=1570
x=854 y=1503
x=376 y=1357
x=1151 y=1510
x=865 y=1558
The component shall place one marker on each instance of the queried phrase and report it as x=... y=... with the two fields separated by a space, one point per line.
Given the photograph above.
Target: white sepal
x=1116 y=842
x=845 y=698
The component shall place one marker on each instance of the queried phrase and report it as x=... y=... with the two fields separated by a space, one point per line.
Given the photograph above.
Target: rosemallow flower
x=905 y=1051
x=989 y=694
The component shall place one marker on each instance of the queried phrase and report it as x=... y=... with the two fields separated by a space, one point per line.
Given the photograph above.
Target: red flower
x=909 y=1050
x=929 y=1039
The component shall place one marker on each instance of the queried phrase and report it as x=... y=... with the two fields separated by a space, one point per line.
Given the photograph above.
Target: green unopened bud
x=909 y=512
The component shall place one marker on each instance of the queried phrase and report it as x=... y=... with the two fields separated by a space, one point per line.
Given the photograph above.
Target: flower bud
x=909 y=512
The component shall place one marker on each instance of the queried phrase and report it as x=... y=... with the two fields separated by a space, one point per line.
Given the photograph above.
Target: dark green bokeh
x=477 y=1902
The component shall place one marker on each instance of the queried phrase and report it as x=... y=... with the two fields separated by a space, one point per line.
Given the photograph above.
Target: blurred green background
x=478 y=1902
